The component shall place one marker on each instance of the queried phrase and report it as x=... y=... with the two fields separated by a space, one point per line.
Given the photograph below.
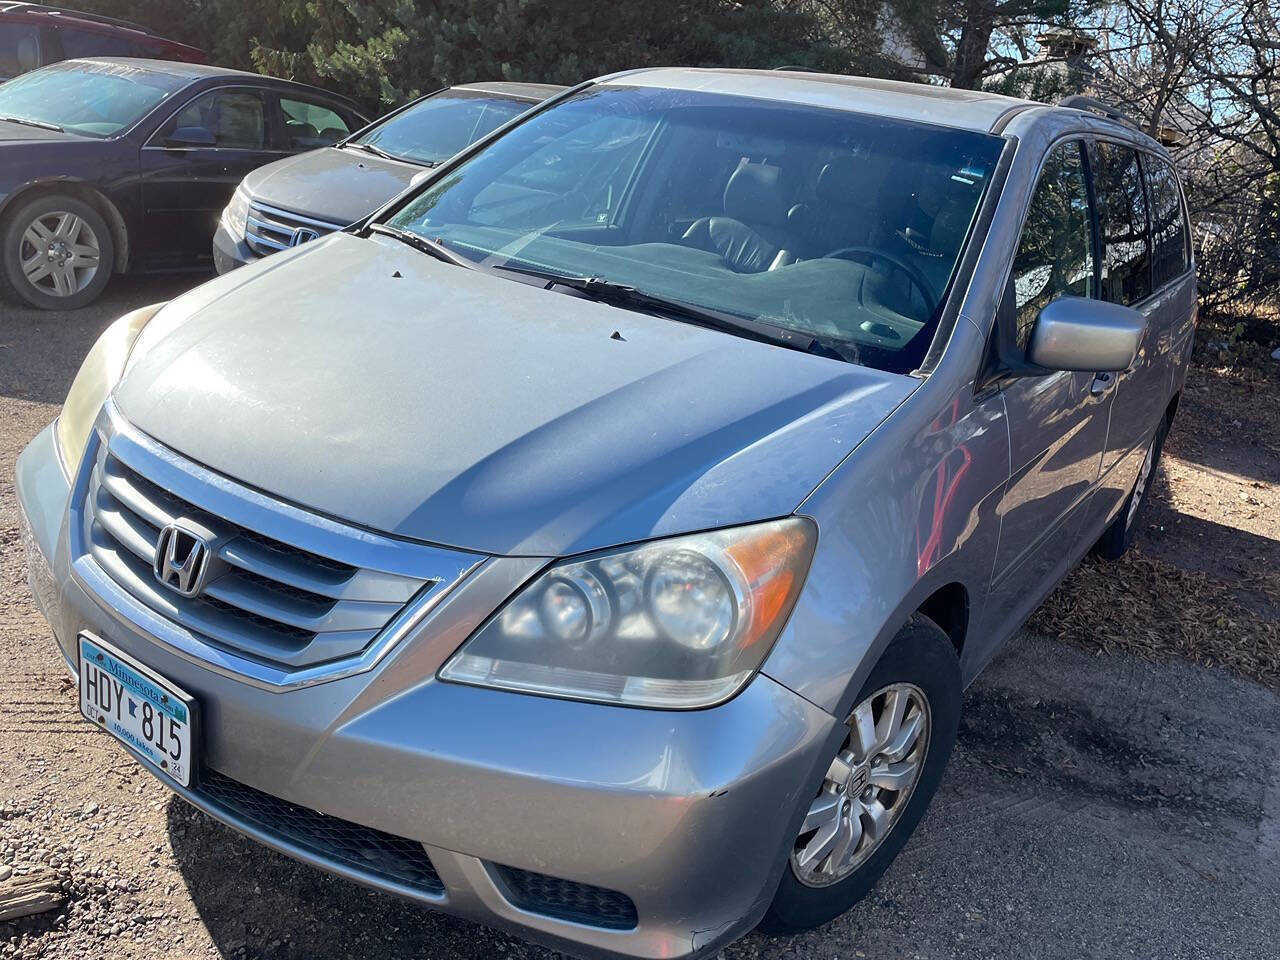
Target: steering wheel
x=869 y=255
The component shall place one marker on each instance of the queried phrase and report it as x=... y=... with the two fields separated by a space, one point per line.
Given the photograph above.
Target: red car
x=33 y=34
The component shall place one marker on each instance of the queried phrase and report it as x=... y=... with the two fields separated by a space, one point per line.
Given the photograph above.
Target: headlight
x=675 y=623
x=97 y=377
x=235 y=216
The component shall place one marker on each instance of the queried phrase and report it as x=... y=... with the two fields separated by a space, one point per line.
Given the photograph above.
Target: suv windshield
x=841 y=226
x=440 y=126
x=94 y=99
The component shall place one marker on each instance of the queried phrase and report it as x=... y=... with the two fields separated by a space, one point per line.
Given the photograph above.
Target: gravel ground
x=1096 y=806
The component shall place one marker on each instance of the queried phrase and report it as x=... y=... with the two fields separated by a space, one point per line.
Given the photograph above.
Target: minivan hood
x=372 y=383
x=340 y=186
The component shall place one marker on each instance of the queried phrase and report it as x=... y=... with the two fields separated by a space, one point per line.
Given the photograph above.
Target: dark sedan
x=125 y=165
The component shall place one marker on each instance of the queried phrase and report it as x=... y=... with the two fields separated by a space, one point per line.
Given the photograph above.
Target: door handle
x=1102 y=383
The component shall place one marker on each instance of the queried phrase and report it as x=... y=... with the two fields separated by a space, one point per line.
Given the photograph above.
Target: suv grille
x=266 y=597
x=270 y=229
x=374 y=853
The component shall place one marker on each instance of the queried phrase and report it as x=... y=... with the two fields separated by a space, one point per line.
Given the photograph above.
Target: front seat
x=752 y=235
x=845 y=213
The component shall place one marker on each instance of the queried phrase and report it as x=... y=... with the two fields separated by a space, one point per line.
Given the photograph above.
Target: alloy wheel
x=1140 y=485
x=867 y=786
x=60 y=253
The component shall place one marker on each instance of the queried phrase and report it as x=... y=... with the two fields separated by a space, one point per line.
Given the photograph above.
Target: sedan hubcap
x=867 y=786
x=60 y=254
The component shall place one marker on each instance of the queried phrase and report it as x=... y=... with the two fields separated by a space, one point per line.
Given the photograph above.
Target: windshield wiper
x=376 y=151
x=432 y=248
x=35 y=123
x=628 y=297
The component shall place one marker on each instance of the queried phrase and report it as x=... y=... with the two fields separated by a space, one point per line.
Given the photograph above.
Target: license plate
x=145 y=712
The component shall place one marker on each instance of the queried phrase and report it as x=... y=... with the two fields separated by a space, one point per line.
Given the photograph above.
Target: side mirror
x=1089 y=336
x=190 y=137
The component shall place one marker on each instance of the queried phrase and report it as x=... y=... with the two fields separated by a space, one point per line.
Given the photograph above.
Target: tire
x=920 y=661
x=1118 y=537
x=66 y=247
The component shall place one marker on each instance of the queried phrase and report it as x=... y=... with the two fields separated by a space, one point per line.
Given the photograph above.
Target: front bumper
x=229 y=251
x=680 y=812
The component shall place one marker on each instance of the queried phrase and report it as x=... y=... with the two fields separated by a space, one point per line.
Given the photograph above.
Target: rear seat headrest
x=840 y=181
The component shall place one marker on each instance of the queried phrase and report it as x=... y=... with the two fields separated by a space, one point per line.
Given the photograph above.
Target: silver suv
x=596 y=541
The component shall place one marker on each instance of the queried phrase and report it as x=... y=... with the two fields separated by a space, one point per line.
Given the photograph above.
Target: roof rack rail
x=1094 y=105
x=78 y=14
x=798 y=69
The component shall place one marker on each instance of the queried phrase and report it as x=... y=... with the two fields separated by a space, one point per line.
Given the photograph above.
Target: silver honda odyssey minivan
x=596 y=540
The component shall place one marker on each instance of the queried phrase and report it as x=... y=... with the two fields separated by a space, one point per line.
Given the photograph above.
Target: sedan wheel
x=56 y=252
x=60 y=254
x=867 y=786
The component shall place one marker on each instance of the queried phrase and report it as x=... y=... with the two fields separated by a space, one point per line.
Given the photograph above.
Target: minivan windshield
x=96 y=99
x=841 y=226
x=438 y=127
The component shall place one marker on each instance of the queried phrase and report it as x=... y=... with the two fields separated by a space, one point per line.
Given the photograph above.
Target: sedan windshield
x=438 y=127
x=94 y=99
x=840 y=226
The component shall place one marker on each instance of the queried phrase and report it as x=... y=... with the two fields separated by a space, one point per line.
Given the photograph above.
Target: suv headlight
x=677 y=623
x=235 y=216
x=97 y=377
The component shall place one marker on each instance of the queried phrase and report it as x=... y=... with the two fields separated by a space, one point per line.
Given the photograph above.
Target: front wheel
x=879 y=783
x=57 y=253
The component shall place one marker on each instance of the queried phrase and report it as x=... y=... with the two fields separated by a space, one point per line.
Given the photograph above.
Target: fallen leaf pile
x=1150 y=608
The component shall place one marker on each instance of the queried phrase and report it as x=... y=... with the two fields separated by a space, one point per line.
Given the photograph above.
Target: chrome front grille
x=269 y=229
x=285 y=587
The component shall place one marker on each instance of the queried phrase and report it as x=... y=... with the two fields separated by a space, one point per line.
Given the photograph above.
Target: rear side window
x=85 y=43
x=1122 y=219
x=310 y=125
x=1055 y=253
x=19 y=49
x=1170 y=256
x=235 y=118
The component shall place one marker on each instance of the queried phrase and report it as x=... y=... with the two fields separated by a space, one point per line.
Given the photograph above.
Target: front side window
x=93 y=99
x=1055 y=252
x=1170 y=254
x=19 y=49
x=440 y=126
x=1122 y=219
x=310 y=125
x=235 y=119
x=841 y=226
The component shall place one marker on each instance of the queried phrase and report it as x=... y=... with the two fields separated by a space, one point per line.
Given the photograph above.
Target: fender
x=90 y=193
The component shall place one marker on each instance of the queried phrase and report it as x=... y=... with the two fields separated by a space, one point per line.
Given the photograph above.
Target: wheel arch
x=86 y=193
x=944 y=599
x=948 y=608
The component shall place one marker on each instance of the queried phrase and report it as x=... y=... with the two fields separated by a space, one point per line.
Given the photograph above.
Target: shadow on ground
x=1227 y=422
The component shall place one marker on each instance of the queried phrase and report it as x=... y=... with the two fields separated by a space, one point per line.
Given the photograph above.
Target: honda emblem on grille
x=301 y=235
x=182 y=560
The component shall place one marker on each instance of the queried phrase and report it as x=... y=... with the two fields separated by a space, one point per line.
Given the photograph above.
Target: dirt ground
x=1117 y=795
